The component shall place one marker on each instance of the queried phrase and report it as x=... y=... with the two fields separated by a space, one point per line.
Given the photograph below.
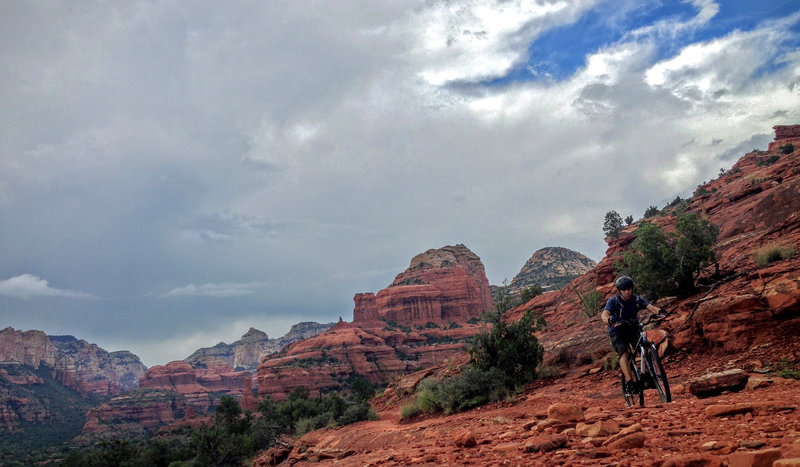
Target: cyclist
x=621 y=316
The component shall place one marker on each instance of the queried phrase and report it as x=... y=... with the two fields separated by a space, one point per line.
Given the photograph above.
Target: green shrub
x=611 y=361
x=667 y=264
x=358 y=413
x=652 y=211
x=789 y=369
x=768 y=160
x=787 y=148
x=409 y=411
x=772 y=253
x=510 y=348
x=530 y=293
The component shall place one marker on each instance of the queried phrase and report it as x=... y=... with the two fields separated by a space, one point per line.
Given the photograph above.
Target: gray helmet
x=624 y=283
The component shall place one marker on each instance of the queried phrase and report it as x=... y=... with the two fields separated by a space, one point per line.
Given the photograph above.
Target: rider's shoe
x=632 y=387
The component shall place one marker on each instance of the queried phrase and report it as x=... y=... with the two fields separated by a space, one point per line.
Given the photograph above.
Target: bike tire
x=658 y=374
x=632 y=399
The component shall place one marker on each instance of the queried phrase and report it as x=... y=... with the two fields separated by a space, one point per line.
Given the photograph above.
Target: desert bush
x=787 y=148
x=511 y=348
x=530 y=293
x=772 y=253
x=789 y=369
x=667 y=264
x=652 y=211
x=611 y=361
x=410 y=411
x=549 y=372
x=768 y=160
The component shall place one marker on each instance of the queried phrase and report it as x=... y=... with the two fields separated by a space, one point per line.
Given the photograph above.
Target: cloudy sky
x=174 y=172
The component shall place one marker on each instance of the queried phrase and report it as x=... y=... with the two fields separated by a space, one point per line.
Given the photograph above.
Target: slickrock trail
x=581 y=419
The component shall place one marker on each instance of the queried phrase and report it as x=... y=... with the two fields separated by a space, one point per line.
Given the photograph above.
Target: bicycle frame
x=649 y=363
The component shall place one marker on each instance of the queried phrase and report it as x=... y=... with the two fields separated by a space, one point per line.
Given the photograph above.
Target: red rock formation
x=440 y=286
x=30 y=348
x=327 y=361
x=83 y=367
x=785 y=134
x=405 y=326
x=134 y=413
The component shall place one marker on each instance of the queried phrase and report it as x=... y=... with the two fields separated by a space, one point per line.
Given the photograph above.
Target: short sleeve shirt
x=621 y=310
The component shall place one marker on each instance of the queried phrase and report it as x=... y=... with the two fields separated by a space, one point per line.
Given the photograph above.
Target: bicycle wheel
x=658 y=374
x=633 y=398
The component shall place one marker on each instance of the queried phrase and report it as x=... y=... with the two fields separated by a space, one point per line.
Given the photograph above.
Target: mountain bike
x=648 y=372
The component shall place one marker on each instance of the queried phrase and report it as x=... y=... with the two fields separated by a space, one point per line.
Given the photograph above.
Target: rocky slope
x=82 y=366
x=551 y=268
x=32 y=362
x=581 y=419
x=247 y=352
x=745 y=315
x=428 y=314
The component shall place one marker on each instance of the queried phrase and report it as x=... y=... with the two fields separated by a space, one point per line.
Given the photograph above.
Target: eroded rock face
x=380 y=354
x=134 y=413
x=440 y=286
x=79 y=365
x=246 y=353
x=550 y=268
x=421 y=319
x=200 y=388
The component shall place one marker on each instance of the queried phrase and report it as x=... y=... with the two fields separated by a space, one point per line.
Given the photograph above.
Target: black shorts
x=623 y=336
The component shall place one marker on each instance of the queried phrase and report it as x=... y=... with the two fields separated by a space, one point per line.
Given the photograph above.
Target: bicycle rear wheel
x=658 y=374
x=635 y=397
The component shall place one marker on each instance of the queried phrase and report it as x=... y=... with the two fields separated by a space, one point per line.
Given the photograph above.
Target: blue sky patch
x=561 y=51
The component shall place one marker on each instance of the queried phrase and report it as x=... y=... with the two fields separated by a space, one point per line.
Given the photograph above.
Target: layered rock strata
x=84 y=367
x=440 y=286
x=247 y=352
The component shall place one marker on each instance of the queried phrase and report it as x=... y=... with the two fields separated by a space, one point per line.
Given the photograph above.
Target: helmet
x=624 y=283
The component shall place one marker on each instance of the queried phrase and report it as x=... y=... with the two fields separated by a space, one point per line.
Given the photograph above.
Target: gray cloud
x=219 y=166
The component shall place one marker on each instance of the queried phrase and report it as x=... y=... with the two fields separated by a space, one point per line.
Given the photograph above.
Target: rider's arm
x=653 y=309
x=605 y=316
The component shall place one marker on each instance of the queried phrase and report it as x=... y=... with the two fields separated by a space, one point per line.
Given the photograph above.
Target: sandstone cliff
x=82 y=366
x=440 y=286
x=246 y=353
x=428 y=314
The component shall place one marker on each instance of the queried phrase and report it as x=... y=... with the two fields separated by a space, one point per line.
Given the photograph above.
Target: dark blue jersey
x=620 y=310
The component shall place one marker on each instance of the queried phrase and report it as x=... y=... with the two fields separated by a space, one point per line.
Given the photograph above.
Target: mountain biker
x=621 y=316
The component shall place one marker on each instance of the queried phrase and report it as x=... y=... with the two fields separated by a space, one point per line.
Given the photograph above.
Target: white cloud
x=27 y=286
x=220 y=290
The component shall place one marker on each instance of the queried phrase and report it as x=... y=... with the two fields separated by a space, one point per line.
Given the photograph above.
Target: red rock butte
x=785 y=134
x=440 y=286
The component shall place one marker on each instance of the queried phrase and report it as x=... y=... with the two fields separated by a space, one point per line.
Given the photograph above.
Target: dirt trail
x=765 y=416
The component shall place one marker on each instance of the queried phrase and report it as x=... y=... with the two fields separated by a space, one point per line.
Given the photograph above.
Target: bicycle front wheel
x=657 y=372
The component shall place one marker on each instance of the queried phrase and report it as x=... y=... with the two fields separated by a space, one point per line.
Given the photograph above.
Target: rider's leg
x=625 y=366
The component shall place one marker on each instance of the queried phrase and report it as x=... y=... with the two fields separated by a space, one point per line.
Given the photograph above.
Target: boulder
x=545 y=443
x=714 y=384
x=761 y=458
x=565 y=413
